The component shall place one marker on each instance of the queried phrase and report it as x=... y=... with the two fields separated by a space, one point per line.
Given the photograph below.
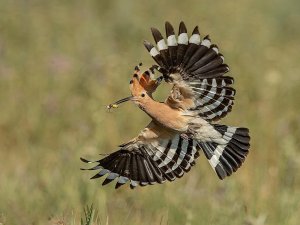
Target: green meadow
x=62 y=62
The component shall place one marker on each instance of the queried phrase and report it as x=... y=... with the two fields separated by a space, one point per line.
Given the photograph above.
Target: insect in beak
x=116 y=104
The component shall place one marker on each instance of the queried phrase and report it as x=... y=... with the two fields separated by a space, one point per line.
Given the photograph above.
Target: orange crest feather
x=143 y=82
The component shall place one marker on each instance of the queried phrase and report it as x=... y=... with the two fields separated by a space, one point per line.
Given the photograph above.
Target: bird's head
x=142 y=85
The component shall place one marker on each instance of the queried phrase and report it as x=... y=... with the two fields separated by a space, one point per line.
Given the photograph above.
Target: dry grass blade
x=89 y=213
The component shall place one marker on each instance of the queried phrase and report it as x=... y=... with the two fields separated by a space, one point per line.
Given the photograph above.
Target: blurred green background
x=61 y=62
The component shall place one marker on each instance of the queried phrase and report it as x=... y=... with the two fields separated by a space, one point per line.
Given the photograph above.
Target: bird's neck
x=152 y=108
x=165 y=115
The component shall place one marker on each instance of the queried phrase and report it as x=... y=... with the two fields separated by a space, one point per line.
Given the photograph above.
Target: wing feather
x=148 y=162
x=187 y=61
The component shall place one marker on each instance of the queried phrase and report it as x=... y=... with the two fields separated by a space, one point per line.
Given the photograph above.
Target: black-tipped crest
x=137 y=68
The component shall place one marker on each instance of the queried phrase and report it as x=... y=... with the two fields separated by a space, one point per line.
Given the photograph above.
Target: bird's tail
x=227 y=157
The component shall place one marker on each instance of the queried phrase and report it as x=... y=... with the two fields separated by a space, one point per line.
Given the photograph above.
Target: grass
x=61 y=62
x=89 y=213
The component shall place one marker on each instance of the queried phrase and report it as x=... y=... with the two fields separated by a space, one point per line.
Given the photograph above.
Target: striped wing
x=144 y=164
x=197 y=69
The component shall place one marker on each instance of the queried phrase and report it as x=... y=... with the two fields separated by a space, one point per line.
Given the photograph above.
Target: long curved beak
x=117 y=103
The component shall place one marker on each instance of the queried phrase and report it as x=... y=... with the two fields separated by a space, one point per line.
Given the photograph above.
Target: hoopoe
x=183 y=125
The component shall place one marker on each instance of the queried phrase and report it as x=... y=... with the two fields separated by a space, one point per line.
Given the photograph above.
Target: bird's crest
x=144 y=81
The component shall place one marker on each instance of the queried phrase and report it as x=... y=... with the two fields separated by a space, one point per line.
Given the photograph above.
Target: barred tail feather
x=227 y=158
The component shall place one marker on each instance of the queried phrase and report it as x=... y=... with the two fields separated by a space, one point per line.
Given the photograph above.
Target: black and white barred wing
x=196 y=65
x=144 y=164
x=228 y=153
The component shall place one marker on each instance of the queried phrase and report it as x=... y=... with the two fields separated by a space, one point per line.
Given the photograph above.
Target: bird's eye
x=131 y=81
x=143 y=95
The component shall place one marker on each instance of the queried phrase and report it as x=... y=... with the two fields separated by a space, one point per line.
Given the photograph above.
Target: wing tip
x=156 y=34
x=148 y=45
x=196 y=30
x=182 y=28
x=207 y=37
x=169 y=29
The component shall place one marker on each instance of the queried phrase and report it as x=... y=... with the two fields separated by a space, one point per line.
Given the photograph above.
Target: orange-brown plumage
x=142 y=82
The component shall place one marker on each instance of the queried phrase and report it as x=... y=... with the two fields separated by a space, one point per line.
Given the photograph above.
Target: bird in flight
x=185 y=123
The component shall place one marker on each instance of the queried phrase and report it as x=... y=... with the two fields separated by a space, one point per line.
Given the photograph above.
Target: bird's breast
x=167 y=116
